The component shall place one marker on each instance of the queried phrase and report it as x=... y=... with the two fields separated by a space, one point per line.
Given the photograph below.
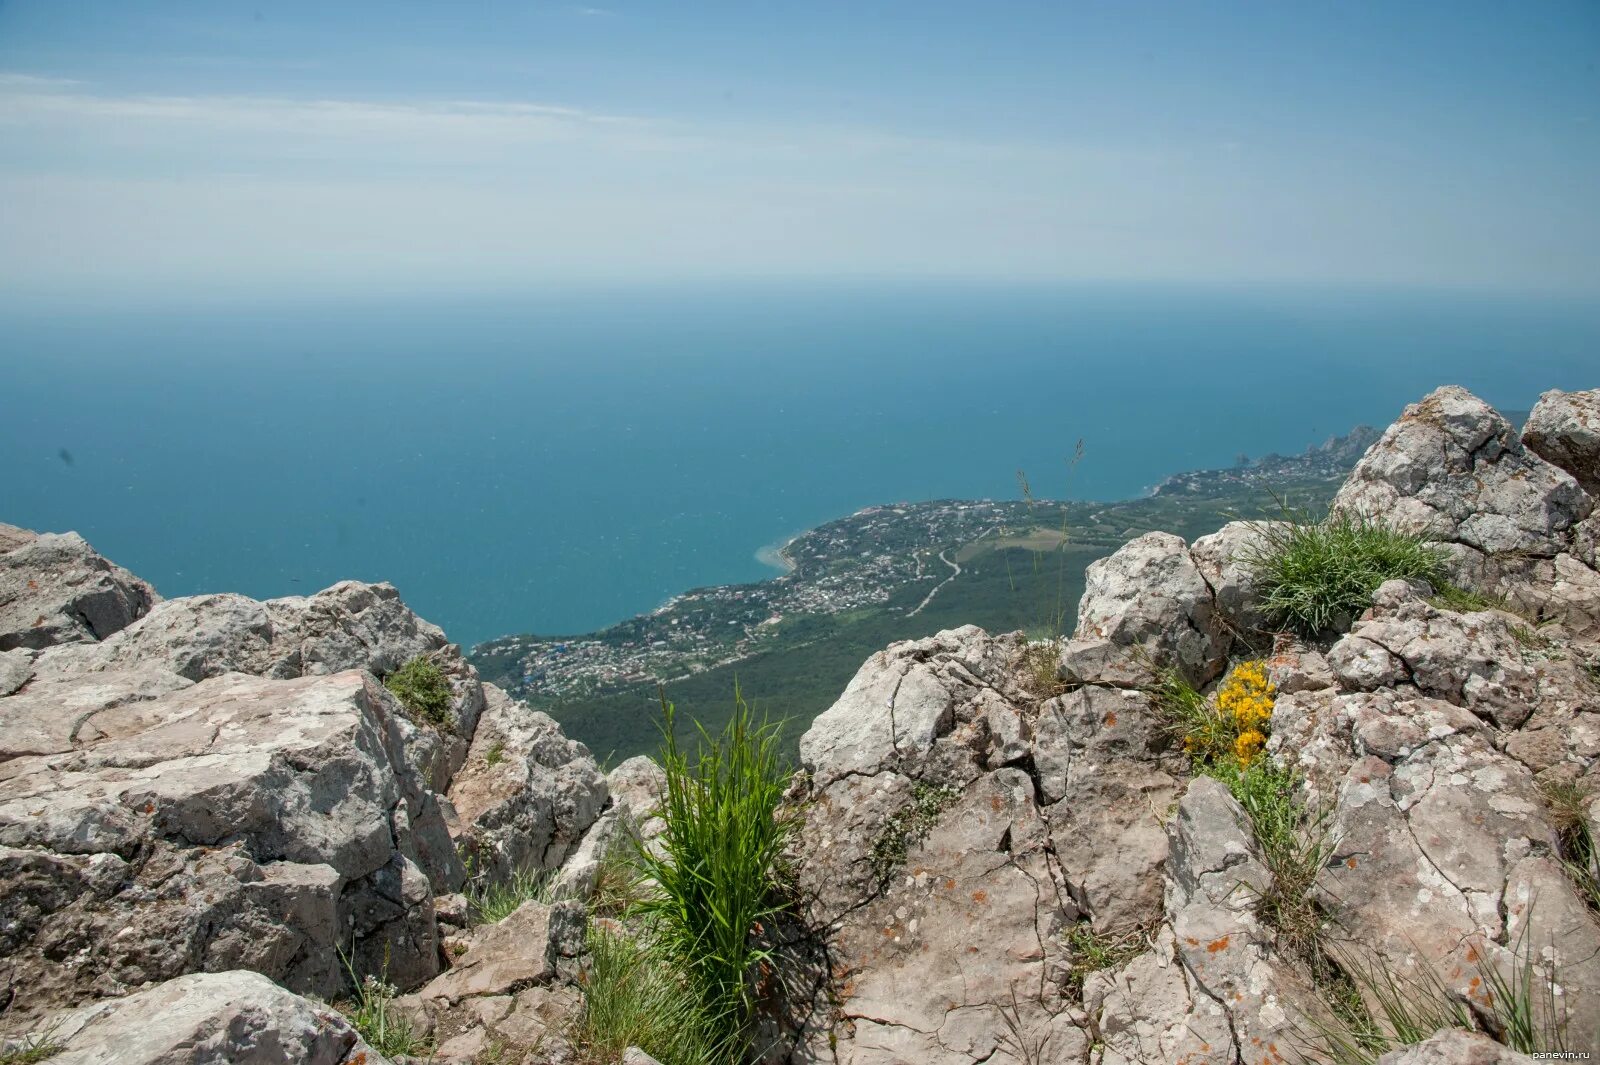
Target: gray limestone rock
x=1145 y=608
x=1453 y=1046
x=1453 y=469
x=222 y=1018
x=55 y=589
x=524 y=949
x=1564 y=430
x=240 y=822
x=1224 y=559
x=525 y=794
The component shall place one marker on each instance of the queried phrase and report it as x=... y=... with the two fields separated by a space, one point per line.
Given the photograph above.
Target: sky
x=163 y=151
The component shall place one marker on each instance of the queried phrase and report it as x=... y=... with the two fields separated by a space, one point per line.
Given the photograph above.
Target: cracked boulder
x=234 y=823
x=1216 y=877
x=224 y=1018
x=1107 y=777
x=1431 y=860
x=902 y=701
x=210 y=1019
x=1223 y=558
x=1211 y=988
x=1146 y=608
x=526 y=794
x=56 y=589
x=1490 y=663
x=922 y=823
x=1564 y=430
x=528 y=947
x=1453 y=469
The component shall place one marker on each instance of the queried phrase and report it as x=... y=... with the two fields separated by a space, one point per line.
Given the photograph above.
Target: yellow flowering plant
x=1245 y=704
x=1231 y=728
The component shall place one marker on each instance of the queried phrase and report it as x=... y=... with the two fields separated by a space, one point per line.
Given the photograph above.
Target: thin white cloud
x=34 y=82
x=168 y=191
x=23 y=97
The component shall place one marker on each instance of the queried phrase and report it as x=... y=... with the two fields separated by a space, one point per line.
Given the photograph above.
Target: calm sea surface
x=560 y=462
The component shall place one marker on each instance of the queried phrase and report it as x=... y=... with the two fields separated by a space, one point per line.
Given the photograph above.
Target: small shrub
x=1316 y=576
x=715 y=871
x=1233 y=731
x=496 y=752
x=908 y=826
x=371 y=1011
x=1040 y=663
x=424 y=691
x=634 y=996
x=491 y=902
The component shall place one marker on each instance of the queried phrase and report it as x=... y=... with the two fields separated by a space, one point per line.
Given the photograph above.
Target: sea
x=559 y=460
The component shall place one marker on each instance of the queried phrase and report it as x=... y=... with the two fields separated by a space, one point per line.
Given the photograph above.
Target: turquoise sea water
x=558 y=462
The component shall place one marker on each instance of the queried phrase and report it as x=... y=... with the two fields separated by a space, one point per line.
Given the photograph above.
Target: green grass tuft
x=1318 y=576
x=1447 y=596
x=1092 y=951
x=32 y=1049
x=491 y=902
x=1295 y=844
x=424 y=691
x=1189 y=717
x=1567 y=802
x=715 y=864
x=1374 y=1009
x=635 y=996
x=371 y=1011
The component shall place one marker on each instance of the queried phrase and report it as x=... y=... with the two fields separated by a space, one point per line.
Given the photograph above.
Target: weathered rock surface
x=1453 y=469
x=962 y=834
x=525 y=948
x=234 y=823
x=227 y=1018
x=1223 y=558
x=1452 y=1046
x=54 y=589
x=994 y=812
x=1145 y=608
x=508 y=995
x=526 y=794
x=1564 y=430
x=213 y=784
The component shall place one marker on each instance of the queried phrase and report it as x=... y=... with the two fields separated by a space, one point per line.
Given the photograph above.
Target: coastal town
x=867 y=561
x=856 y=562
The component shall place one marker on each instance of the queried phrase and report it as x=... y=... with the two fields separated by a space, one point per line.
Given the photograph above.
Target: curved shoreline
x=777 y=555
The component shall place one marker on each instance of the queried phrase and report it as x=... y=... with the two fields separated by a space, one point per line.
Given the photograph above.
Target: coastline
x=777 y=555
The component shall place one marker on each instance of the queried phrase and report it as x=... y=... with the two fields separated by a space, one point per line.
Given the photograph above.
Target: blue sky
x=181 y=150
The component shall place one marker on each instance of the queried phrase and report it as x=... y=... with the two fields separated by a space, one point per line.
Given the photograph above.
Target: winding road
x=956 y=568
